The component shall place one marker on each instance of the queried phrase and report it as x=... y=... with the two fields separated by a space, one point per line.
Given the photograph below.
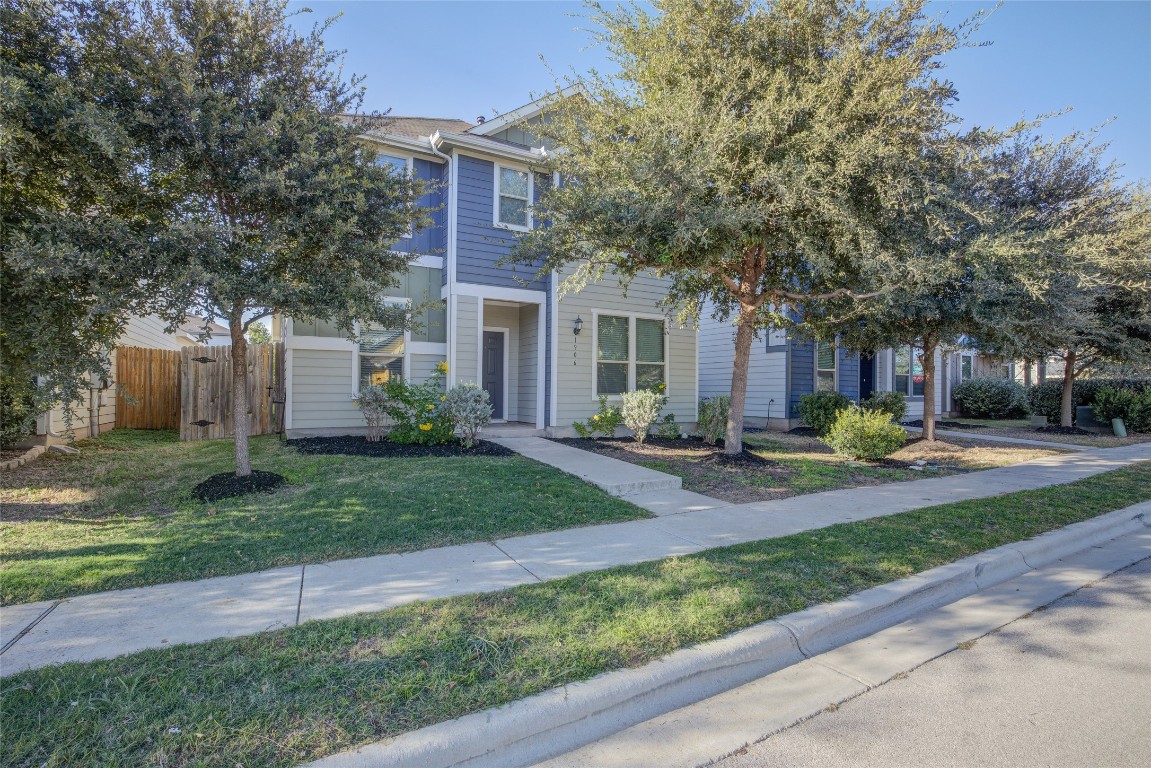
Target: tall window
x=908 y=371
x=621 y=365
x=966 y=367
x=824 y=367
x=381 y=356
x=513 y=198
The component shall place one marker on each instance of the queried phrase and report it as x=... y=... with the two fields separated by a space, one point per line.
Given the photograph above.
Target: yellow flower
x=431 y=407
x=442 y=366
x=426 y=427
x=443 y=398
x=595 y=418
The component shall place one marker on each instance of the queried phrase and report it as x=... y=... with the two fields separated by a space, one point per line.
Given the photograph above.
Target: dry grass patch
x=969 y=454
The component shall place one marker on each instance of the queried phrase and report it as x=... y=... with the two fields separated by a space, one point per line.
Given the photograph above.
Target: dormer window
x=513 y=198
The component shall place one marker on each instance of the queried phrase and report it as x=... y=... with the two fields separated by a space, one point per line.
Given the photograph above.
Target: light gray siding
x=766 y=372
x=322 y=387
x=464 y=337
x=529 y=363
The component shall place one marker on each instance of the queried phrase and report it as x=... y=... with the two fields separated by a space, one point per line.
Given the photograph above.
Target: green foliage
x=668 y=428
x=17 y=409
x=602 y=423
x=372 y=402
x=258 y=333
x=863 y=434
x=469 y=409
x=894 y=404
x=713 y=413
x=991 y=397
x=768 y=153
x=417 y=412
x=819 y=410
x=1133 y=406
x=1045 y=398
x=640 y=410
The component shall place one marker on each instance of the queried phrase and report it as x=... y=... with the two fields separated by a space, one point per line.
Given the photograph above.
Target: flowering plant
x=603 y=422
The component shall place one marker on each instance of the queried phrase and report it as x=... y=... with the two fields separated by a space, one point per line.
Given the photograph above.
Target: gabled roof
x=526 y=112
x=420 y=127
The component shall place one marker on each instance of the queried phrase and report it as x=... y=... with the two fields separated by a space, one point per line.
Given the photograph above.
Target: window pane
x=966 y=371
x=649 y=376
x=513 y=211
x=916 y=373
x=611 y=378
x=398 y=164
x=903 y=362
x=648 y=341
x=377 y=369
x=613 y=338
x=513 y=182
x=379 y=341
x=825 y=381
x=322 y=328
x=825 y=356
x=901 y=380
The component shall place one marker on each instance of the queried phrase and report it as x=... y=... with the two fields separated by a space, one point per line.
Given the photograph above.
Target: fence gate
x=147 y=388
x=206 y=390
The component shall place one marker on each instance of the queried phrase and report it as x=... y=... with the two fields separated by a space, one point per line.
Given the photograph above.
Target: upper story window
x=631 y=354
x=513 y=198
x=401 y=165
x=909 y=371
x=825 y=359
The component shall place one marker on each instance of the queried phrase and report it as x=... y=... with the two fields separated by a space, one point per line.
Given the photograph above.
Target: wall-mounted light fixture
x=577 y=325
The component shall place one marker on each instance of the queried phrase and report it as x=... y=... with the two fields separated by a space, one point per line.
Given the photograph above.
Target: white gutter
x=449 y=257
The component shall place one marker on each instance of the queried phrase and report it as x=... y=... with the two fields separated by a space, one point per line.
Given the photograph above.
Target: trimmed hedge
x=819 y=410
x=1133 y=407
x=1045 y=398
x=991 y=397
x=862 y=434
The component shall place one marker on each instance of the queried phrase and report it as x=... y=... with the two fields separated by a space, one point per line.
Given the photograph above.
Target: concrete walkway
x=114 y=623
x=973 y=434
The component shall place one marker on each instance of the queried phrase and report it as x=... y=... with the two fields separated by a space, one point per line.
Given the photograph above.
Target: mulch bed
x=1055 y=429
x=353 y=445
x=226 y=485
x=944 y=424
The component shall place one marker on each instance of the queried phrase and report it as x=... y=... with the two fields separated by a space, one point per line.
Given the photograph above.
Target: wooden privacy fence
x=147 y=388
x=191 y=389
x=206 y=390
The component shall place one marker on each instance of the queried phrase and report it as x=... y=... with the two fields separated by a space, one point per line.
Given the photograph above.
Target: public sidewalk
x=114 y=623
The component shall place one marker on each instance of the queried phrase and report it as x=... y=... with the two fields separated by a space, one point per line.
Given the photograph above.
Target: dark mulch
x=1055 y=429
x=944 y=424
x=352 y=445
x=803 y=432
x=226 y=485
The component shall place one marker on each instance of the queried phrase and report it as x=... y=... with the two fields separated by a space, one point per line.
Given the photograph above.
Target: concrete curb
x=556 y=721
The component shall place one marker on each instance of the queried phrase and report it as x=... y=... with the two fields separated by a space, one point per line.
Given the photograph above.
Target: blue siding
x=802 y=374
x=432 y=240
x=849 y=373
x=479 y=244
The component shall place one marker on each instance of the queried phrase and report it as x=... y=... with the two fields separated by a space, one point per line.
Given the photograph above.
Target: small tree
x=753 y=153
x=278 y=208
x=258 y=333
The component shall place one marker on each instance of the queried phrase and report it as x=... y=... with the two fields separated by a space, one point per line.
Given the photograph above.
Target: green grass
x=297 y=694
x=120 y=514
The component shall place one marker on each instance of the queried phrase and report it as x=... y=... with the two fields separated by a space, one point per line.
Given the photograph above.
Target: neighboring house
x=783 y=369
x=96 y=411
x=543 y=359
x=198 y=330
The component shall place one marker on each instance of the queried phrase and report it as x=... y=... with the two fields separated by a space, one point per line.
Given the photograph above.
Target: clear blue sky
x=474 y=57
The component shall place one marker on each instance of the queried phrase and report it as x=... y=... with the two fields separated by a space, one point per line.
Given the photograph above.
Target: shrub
x=603 y=422
x=417 y=412
x=713 y=417
x=640 y=410
x=991 y=397
x=17 y=409
x=819 y=410
x=864 y=434
x=668 y=429
x=894 y=404
x=1131 y=406
x=372 y=402
x=469 y=409
x=1045 y=398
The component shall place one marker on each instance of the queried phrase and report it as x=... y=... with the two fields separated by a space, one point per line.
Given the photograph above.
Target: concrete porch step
x=616 y=477
x=511 y=429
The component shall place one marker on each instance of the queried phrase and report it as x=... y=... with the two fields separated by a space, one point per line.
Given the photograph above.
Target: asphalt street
x=1068 y=685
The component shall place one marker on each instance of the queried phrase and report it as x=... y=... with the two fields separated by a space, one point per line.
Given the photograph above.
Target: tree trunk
x=744 y=335
x=240 y=393
x=1066 y=404
x=1027 y=373
x=928 y=360
x=1041 y=370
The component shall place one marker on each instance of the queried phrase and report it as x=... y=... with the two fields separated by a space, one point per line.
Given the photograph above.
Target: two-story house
x=543 y=358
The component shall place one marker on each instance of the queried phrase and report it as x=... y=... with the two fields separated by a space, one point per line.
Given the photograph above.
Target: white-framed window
x=966 y=367
x=402 y=166
x=380 y=353
x=825 y=366
x=630 y=354
x=513 y=198
x=908 y=371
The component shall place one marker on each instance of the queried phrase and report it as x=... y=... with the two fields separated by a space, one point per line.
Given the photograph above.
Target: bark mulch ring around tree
x=944 y=424
x=806 y=467
x=226 y=485
x=354 y=445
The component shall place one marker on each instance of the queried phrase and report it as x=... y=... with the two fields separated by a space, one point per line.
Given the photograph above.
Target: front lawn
x=1021 y=428
x=121 y=514
x=778 y=464
x=297 y=694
